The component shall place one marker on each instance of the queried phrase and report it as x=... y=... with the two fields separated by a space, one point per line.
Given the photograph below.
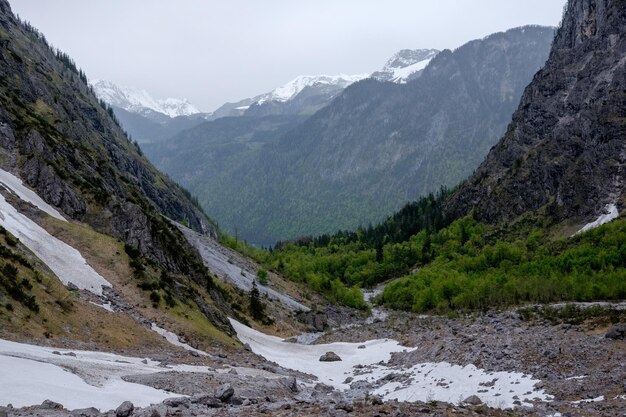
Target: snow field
x=422 y=382
x=31 y=374
x=65 y=261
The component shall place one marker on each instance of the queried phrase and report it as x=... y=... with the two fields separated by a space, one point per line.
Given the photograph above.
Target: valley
x=490 y=279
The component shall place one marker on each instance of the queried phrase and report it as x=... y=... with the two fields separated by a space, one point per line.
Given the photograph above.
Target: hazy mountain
x=376 y=146
x=140 y=101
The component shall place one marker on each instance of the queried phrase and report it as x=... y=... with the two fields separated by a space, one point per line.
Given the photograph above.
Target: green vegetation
x=463 y=265
x=472 y=270
x=573 y=314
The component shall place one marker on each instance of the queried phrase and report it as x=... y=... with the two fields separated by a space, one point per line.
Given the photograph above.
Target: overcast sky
x=211 y=51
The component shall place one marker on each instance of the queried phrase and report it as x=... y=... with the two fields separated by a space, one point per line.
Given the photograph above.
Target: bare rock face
x=564 y=152
x=330 y=357
x=125 y=409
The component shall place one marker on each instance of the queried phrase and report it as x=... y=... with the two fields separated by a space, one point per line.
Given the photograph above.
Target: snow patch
x=65 y=261
x=31 y=374
x=295 y=86
x=107 y=306
x=589 y=400
x=611 y=213
x=424 y=382
x=175 y=340
x=16 y=185
x=401 y=75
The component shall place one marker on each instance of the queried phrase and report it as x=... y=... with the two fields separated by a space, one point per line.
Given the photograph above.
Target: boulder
x=225 y=392
x=473 y=400
x=86 y=412
x=51 y=405
x=330 y=357
x=125 y=409
x=617 y=332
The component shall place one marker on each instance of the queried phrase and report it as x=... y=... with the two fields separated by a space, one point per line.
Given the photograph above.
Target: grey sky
x=216 y=51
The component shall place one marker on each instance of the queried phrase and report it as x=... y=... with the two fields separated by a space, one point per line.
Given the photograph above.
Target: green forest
x=443 y=266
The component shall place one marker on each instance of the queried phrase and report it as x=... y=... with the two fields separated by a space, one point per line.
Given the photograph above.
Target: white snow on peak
x=295 y=86
x=440 y=381
x=138 y=101
x=610 y=213
x=400 y=67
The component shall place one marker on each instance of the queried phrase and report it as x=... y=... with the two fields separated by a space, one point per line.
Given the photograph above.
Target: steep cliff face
x=62 y=142
x=565 y=150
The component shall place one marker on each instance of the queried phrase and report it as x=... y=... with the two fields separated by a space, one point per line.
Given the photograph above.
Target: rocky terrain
x=563 y=154
x=577 y=365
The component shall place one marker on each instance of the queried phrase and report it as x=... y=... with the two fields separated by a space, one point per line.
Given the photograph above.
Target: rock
x=291 y=383
x=177 y=402
x=345 y=405
x=145 y=361
x=86 y=412
x=348 y=380
x=225 y=392
x=3 y=413
x=617 y=332
x=51 y=405
x=473 y=400
x=330 y=357
x=125 y=409
x=361 y=347
x=376 y=400
x=235 y=400
x=323 y=388
x=233 y=371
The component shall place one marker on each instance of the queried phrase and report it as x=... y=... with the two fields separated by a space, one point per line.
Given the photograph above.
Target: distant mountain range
x=140 y=101
x=375 y=146
x=152 y=120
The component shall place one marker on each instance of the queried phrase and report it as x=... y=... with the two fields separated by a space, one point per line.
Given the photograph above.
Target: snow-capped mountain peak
x=405 y=65
x=140 y=101
x=295 y=86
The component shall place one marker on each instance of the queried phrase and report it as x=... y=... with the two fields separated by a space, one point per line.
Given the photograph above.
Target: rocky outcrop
x=564 y=152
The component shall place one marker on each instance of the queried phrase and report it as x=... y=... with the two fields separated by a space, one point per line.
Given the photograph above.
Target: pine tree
x=257 y=309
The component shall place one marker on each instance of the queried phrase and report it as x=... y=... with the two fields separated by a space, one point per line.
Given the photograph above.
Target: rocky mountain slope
x=58 y=139
x=376 y=146
x=563 y=155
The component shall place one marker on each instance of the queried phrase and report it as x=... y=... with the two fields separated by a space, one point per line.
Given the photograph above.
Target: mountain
x=563 y=154
x=376 y=146
x=303 y=95
x=140 y=101
x=405 y=65
x=62 y=153
x=214 y=148
x=145 y=118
